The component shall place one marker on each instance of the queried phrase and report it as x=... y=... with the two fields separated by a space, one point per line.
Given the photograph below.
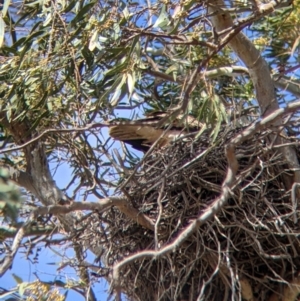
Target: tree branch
x=39 y=230
x=51 y=131
x=8 y=260
x=265 y=122
x=258 y=70
x=121 y=203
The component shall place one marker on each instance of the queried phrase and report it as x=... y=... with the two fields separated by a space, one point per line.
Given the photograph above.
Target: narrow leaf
x=22 y=288
x=116 y=96
x=5 y=7
x=130 y=83
x=83 y=12
x=2 y=31
x=18 y=279
x=93 y=41
x=163 y=19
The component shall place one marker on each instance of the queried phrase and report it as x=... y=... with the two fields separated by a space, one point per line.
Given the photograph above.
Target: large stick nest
x=249 y=248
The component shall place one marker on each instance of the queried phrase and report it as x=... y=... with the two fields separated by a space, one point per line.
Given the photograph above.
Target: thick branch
x=8 y=260
x=286 y=84
x=259 y=73
x=251 y=57
x=120 y=202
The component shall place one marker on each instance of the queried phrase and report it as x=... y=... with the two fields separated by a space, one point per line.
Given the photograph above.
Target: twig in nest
x=160 y=196
x=189 y=230
x=294 y=200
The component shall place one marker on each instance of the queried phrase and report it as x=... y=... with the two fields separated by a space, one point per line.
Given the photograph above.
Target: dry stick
x=49 y=131
x=294 y=201
x=160 y=196
x=181 y=38
x=121 y=203
x=153 y=146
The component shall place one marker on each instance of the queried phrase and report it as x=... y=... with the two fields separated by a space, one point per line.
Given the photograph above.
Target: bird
x=141 y=134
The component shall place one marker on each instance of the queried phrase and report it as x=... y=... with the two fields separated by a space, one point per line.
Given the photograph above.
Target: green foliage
x=10 y=200
x=76 y=62
x=70 y=64
x=279 y=35
x=37 y=290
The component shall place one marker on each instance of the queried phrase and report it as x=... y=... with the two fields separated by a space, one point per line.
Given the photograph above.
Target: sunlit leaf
x=2 y=30
x=116 y=96
x=69 y=7
x=126 y=12
x=163 y=18
x=22 y=288
x=48 y=19
x=93 y=41
x=130 y=83
x=82 y=12
x=174 y=70
x=5 y=7
x=34 y=3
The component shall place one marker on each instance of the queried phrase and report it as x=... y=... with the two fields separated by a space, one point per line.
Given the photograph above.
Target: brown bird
x=142 y=133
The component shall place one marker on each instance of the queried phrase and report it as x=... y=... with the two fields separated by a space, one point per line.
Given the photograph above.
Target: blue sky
x=48 y=262
x=45 y=268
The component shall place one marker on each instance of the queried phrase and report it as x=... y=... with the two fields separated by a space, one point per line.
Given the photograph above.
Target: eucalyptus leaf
x=130 y=83
x=17 y=278
x=2 y=30
x=163 y=19
x=83 y=12
x=93 y=41
x=116 y=96
x=5 y=7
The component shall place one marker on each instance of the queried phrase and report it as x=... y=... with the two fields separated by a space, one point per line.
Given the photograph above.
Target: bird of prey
x=141 y=134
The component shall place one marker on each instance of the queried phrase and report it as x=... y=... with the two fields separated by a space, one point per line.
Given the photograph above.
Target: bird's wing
x=181 y=121
x=141 y=137
x=142 y=133
x=131 y=132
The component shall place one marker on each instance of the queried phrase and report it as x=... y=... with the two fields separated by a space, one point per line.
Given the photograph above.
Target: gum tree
x=69 y=67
